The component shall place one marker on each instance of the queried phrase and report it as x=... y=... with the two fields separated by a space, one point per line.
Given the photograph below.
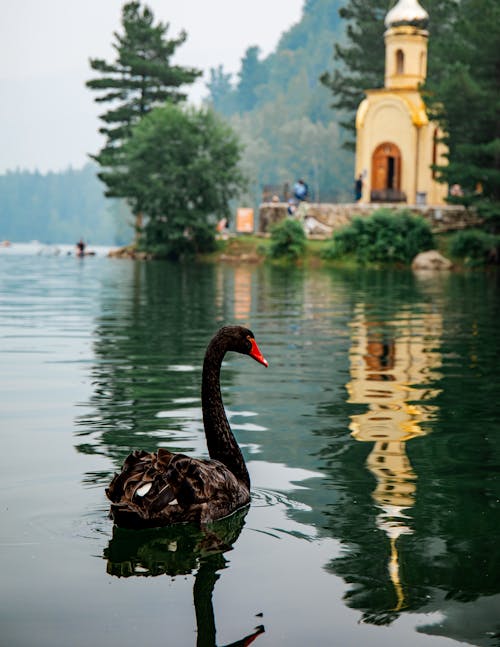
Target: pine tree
x=140 y=78
x=361 y=59
x=253 y=74
x=222 y=95
x=465 y=98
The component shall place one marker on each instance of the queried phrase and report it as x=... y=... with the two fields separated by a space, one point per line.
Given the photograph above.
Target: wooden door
x=386 y=168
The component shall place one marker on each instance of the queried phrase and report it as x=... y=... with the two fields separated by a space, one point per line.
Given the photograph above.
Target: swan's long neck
x=222 y=445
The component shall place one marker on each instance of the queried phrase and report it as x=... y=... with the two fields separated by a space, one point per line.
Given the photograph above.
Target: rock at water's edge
x=431 y=260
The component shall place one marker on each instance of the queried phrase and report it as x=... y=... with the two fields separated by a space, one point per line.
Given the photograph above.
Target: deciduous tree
x=181 y=170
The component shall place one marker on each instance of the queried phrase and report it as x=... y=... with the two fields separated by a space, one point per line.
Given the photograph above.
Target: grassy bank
x=248 y=248
x=254 y=249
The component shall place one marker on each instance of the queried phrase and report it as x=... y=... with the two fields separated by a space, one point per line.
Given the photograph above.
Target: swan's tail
x=141 y=490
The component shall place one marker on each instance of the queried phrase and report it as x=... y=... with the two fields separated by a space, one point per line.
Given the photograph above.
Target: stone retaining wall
x=321 y=219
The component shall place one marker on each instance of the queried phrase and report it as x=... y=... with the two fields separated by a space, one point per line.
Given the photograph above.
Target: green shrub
x=383 y=237
x=490 y=211
x=288 y=240
x=174 y=245
x=475 y=246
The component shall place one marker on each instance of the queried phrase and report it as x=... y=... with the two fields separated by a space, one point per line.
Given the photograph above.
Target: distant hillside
x=282 y=112
x=60 y=208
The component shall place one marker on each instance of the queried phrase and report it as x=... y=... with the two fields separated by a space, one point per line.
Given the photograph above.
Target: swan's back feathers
x=161 y=488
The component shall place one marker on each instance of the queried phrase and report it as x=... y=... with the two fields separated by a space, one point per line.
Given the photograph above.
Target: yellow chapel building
x=396 y=143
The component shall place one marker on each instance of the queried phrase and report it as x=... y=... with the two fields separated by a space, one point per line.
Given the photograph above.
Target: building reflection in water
x=390 y=365
x=242 y=292
x=237 y=285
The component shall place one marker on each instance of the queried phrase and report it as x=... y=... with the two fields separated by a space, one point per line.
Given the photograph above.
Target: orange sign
x=244 y=221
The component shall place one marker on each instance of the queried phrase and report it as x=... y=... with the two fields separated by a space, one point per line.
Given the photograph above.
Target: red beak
x=256 y=354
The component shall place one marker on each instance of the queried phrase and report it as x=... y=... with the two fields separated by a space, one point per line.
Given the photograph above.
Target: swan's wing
x=195 y=481
x=142 y=474
x=175 y=487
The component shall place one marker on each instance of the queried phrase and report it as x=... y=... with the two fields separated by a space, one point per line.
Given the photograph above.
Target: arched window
x=400 y=61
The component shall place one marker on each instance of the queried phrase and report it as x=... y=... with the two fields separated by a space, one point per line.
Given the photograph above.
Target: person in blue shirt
x=300 y=190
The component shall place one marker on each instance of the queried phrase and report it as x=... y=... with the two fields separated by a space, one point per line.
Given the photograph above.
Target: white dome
x=406 y=11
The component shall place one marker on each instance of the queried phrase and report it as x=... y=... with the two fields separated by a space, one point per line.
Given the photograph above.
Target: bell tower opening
x=400 y=62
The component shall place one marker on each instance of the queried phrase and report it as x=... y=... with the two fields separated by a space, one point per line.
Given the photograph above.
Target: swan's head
x=241 y=340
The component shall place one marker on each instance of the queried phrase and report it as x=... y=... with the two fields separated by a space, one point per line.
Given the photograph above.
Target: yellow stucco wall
x=387 y=120
x=399 y=118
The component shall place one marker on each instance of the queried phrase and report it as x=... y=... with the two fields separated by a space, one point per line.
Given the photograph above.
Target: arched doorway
x=386 y=174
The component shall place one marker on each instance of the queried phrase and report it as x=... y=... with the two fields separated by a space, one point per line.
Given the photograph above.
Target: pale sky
x=49 y=119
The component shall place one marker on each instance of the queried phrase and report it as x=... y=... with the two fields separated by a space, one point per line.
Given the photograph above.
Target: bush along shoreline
x=383 y=239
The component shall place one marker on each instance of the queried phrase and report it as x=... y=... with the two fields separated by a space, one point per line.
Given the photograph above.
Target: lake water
x=372 y=442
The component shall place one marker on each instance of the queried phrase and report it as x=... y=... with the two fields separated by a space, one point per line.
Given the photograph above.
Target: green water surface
x=372 y=442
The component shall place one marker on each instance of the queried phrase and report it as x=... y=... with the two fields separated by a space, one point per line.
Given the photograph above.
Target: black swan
x=162 y=488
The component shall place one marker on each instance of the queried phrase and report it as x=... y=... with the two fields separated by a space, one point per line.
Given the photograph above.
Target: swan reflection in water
x=179 y=550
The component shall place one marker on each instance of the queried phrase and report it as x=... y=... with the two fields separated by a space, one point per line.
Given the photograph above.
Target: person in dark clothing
x=358 y=187
x=80 y=248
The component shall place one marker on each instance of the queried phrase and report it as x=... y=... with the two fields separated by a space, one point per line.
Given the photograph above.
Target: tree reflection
x=180 y=550
x=149 y=345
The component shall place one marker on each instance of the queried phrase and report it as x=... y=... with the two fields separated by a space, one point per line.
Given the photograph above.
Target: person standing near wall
x=300 y=190
x=358 y=187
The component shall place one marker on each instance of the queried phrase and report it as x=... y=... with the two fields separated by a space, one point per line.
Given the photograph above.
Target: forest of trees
x=282 y=112
x=61 y=208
